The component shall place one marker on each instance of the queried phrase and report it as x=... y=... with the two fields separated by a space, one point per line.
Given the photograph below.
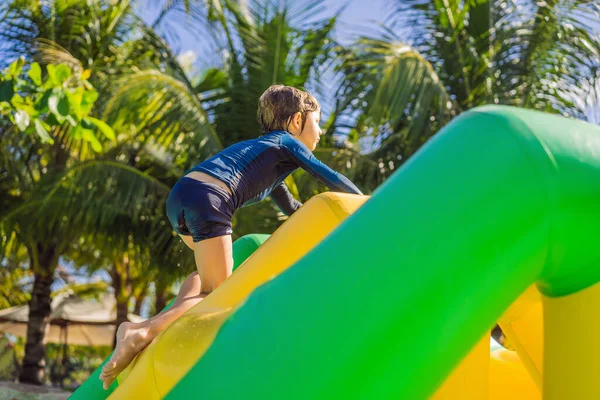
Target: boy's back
x=255 y=168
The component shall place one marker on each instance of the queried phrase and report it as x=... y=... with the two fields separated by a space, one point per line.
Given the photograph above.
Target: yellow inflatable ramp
x=168 y=358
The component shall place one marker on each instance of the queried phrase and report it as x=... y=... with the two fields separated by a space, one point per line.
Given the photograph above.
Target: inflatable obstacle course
x=394 y=298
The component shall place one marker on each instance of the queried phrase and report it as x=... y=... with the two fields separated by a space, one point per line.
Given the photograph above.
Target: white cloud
x=187 y=60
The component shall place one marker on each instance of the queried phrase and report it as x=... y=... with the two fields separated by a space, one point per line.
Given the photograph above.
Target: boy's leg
x=214 y=263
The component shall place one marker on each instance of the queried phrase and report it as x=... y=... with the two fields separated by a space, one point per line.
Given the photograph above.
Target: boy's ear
x=298 y=118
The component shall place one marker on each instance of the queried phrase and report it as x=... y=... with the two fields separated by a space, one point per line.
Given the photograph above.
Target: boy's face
x=312 y=132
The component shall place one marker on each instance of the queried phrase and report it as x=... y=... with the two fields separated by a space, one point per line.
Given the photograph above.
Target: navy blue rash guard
x=256 y=168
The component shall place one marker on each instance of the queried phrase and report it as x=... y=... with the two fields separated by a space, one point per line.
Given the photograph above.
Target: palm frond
x=89 y=197
x=15 y=276
x=88 y=290
x=167 y=111
x=50 y=52
x=561 y=52
x=510 y=52
x=396 y=91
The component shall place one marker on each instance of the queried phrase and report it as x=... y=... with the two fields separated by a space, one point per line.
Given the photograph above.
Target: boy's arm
x=307 y=161
x=284 y=199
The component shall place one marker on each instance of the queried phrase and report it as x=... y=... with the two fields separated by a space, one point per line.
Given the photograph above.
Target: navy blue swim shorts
x=200 y=209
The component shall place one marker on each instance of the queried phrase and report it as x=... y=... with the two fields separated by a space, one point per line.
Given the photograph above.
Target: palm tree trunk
x=121 y=317
x=139 y=300
x=137 y=309
x=122 y=287
x=44 y=263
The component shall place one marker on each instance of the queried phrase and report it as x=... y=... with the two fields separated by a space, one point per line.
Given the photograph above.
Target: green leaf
x=212 y=79
x=14 y=70
x=63 y=106
x=25 y=104
x=17 y=101
x=63 y=73
x=22 y=120
x=75 y=98
x=42 y=132
x=53 y=105
x=52 y=81
x=76 y=132
x=52 y=120
x=88 y=136
x=41 y=105
x=58 y=104
x=87 y=124
x=87 y=102
x=7 y=90
x=103 y=127
x=35 y=74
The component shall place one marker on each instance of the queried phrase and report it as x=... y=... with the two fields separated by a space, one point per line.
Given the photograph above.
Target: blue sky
x=356 y=13
x=196 y=53
x=357 y=17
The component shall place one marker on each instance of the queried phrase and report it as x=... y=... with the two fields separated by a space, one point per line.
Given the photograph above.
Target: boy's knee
x=206 y=290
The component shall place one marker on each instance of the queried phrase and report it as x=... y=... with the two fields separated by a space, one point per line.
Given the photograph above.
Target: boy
x=201 y=204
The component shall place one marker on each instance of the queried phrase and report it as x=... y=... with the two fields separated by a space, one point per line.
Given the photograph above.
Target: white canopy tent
x=72 y=321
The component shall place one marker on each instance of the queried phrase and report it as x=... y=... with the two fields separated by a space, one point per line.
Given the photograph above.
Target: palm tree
x=439 y=58
x=65 y=191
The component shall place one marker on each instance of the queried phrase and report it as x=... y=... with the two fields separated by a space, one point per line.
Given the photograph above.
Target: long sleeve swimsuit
x=256 y=168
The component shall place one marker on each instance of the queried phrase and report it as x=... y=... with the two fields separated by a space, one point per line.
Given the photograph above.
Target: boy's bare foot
x=131 y=339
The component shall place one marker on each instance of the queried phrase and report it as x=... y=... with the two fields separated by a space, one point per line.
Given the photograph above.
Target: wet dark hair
x=279 y=103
